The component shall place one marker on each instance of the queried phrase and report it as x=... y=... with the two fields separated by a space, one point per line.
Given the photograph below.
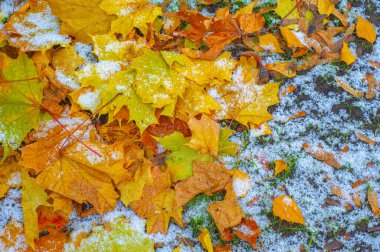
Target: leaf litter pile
x=189 y=126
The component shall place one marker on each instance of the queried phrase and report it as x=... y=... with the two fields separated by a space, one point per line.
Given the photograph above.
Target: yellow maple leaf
x=287 y=209
x=157 y=203
x=205 y=135
x=269 y=42
x=81 y=18
x=84 y=176
x=25 y=29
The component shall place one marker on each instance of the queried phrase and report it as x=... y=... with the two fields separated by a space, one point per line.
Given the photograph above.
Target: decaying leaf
x=348 y=88
x=373 y=202
x=208 y=178
x=227 y=213
x=364 y=138
x=323 y=156
x=249 y=231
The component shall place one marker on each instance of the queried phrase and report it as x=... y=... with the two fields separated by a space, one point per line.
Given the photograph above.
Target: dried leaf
x=205 y=135
x=208 y=178
x=364 y=138
x=373 y=202
x=249 y=231
x=348 y=88
x=323 y=156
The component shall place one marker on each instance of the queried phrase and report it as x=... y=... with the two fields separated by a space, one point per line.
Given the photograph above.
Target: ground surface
x=332 y=118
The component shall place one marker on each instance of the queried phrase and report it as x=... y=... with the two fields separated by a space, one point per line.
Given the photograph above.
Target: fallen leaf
x=208 y=178
x=297 y=115
x=287 y=209
x=157 y=203
x=373 y=202
x=249 y=231
x=32 y=196
x=241 y=182
x=20 y=99
x=357 y=200
x=226 y=214
x=205 y=239
x=364 y=138
x=180 y=161
x=280 y=166
x=35 y=29
x=84 y=176
x=365 y=29
x=346 y=55
x=205 y=135
x=348 y=88
x=81 y=19
x=117 y=235
x=321 y=155
x=372 y=84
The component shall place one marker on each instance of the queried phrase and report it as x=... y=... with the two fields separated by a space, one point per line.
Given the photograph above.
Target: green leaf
x=225 y=146
x=117 y=236
x=155 y=82
x=180 y=161
x=20 y=99
x=122 y=83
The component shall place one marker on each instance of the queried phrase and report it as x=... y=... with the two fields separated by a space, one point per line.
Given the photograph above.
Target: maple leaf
x=155 y=82
x=20 y=99
x=205 y=135
x=81 y=19
x=207 y=178
x=180 y=161
x=85 y=177
x=32 y=196
x=132 y=190
x=25 y=29
x=287 y=209
x=53 y=136
x=131 y=14
x=227 y=213
x=117 y=235
x=157 y=203
x=245 y=101
x=122 y=83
